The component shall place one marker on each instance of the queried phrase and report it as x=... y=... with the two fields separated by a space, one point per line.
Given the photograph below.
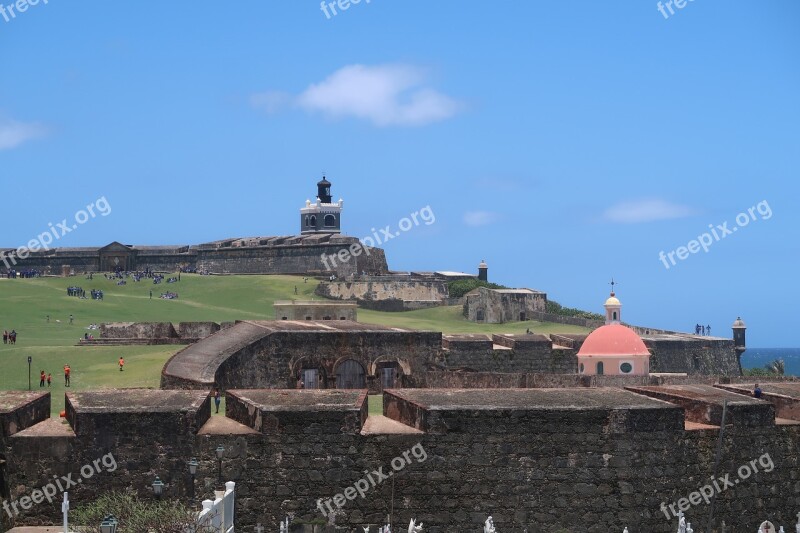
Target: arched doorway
x=350 y=375
x=599 y=368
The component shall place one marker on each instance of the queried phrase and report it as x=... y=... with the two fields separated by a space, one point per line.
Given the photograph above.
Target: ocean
x=758 y=357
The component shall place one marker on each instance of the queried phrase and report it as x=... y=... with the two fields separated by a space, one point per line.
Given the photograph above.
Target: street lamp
x=220 y=451
x=158 y=487
x=108 y=525
x=193 y=471
x=29 y=371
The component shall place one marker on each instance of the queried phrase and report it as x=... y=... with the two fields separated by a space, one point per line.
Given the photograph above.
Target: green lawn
x=24 y=305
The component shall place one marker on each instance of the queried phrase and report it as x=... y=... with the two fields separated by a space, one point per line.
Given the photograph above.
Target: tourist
x=702 y=330
x=49 y=378
x=48 y=319
x=121 y=363
x=151 y=295
x=67 y=371
x=42 y=378
x=217 y=398
x=757 y=391
x=708 y=330
x=5 y=337
x=12 y=337
x=71 y=319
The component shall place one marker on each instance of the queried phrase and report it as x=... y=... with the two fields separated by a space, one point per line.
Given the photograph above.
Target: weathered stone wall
x=493 y=306
x=274 y=259
x=138 y=330
x=525 y=353
x=544 y=470
x=197 y=330
x=694 y=355
x=21 y=410
x=276 y=360
x=429 y=291
x=142 y=443
x=291 y=259
x=315 y=311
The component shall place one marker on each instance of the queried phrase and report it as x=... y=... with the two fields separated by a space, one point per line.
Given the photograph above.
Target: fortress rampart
x=258 y=255
x=546 y=460
x=273 y=354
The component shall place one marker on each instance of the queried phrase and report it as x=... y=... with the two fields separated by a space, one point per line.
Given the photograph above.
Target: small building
x=324 y=215
x=613 y=349
x=495 y=306
x=315 y=310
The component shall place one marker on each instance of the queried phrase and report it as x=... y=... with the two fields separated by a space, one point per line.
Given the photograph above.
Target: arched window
x=306 y=220
x=599 y=368
x=615 y=315
x=582 y=368
x=330 y=221
x=313 y=220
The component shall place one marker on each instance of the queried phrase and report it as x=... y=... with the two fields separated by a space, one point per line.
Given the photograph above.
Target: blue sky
x=562 y=142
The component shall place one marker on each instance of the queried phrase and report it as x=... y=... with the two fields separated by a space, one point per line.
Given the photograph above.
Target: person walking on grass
x=67 y=371
x=42 y=377
x=121 y=363
x=71 y=319
x=49 y=378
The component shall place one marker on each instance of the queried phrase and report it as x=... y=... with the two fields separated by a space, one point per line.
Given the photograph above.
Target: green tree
x=460 y=287
x=776 y=367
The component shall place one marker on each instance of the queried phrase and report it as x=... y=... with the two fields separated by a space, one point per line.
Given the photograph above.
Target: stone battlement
x=535 y=459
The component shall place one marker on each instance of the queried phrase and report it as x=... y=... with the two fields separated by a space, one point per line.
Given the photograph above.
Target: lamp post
x=220 y=451
x=109 y=524
x=30 y=359
x=193 y=471
x=158 y=487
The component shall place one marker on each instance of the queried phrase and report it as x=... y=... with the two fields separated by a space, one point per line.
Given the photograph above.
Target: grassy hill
x=24 y=305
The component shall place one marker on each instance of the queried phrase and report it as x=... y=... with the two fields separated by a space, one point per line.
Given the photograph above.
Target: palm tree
x=777 y=367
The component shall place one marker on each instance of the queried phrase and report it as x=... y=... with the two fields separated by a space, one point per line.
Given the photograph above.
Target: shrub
x=459 y=288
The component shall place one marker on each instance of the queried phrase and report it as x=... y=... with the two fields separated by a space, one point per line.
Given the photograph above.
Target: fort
x=302 y=254
x=540 y=459
x=556 y=433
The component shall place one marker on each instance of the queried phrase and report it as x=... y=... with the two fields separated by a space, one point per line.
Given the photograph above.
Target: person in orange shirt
x=49 y=379
x=41 y=379
x=121 y=363
x=66 y=375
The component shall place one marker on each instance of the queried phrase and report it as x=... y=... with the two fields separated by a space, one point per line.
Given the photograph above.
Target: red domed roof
x=613 y=339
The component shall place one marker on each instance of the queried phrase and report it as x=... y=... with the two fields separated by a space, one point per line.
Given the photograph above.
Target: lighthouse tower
x=323 y=215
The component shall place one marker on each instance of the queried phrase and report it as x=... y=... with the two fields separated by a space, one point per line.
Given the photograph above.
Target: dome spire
x=613 y=307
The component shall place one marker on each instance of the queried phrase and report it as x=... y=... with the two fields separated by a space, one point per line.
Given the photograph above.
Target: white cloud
x=386 y=95
x=479 y=218
x=646 y=210
x=14 y=133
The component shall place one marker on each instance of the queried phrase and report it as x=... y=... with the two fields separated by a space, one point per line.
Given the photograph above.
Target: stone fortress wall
x=263 y=255
x=549 y=460
x=272 y=354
